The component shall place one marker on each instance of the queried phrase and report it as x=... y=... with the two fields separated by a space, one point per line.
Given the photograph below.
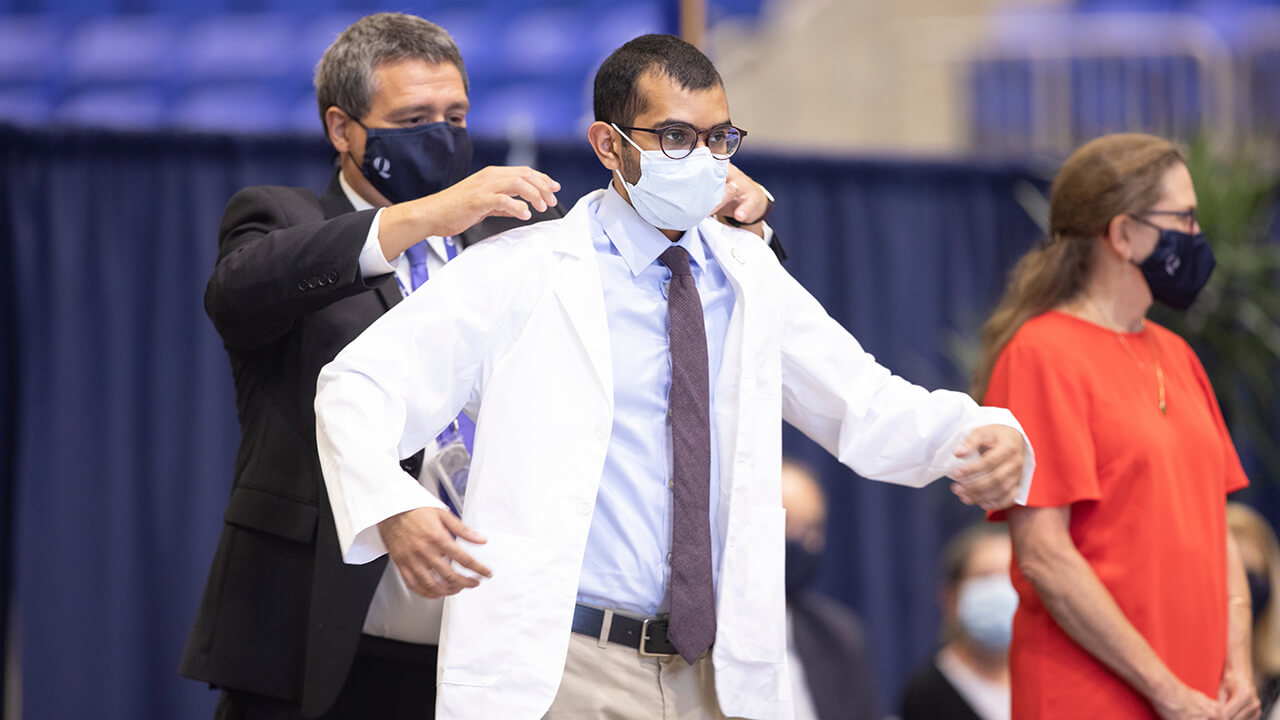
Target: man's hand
x=421 y=543
x=1237 y=694
x=991 y=481
x=493 y=190
x=744 y=200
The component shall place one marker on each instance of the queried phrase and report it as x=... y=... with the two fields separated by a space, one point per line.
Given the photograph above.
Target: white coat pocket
x=751 y=603
x=483 y=625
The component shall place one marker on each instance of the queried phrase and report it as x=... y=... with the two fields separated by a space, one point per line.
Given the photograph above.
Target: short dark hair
x=616 y=98
x=344 y=76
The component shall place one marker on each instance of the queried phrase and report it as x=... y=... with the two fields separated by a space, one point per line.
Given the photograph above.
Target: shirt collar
x=353 y=197
x=638 y=242
x=436 y=244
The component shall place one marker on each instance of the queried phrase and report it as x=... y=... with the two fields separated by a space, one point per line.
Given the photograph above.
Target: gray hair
x=344 y=75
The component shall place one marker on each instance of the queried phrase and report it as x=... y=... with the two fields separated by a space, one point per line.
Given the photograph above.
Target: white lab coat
x=515 y=330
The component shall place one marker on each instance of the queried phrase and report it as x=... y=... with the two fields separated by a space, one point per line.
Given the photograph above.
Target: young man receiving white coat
x=620 y=551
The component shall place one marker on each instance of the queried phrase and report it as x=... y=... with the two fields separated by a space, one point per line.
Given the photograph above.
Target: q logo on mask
x=1171 y=264
x=383 y=166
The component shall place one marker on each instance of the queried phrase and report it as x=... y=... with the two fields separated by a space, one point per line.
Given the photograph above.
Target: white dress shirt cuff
x=946 y=460
x=395 y=497
x=373 y=262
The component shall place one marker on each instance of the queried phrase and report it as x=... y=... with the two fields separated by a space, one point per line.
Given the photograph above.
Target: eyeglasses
x=678 y=140
x=1187 y=216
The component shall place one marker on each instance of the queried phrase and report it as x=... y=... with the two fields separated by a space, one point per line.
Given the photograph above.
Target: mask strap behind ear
x=624 y=135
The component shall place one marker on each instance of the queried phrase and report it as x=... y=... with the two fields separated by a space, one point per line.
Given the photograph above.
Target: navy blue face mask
x=408 y=163
x=1179 y=266
x=801 y=567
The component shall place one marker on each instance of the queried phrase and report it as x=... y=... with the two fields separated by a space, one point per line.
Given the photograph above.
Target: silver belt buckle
x=644 y=639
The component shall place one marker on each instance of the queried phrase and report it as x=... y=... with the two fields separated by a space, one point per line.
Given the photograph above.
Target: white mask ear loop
x=624 y=135
x=623 y=180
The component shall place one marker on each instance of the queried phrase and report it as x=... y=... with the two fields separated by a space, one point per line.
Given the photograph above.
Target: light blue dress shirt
x=627 y=561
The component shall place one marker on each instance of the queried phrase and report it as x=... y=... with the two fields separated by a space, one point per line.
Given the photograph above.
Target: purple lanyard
x=450 y=252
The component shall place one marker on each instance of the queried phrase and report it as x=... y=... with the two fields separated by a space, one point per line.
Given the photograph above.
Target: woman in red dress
x=1133 y=601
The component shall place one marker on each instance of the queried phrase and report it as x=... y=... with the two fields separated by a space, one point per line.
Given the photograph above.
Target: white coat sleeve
x=398 y=384
x=873 y=421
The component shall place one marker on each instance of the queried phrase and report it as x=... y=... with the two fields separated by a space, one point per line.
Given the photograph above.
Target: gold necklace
x=1141 y=365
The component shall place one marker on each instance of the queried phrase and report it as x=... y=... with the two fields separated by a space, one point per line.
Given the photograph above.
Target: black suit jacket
x=833 y=650
x=281 y=613
x=929 y=695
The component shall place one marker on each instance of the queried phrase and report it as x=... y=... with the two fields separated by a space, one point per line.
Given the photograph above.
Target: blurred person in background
x=1133 y=600
x=968 y=679
x=285 y=628
x=826 y=644
x=1260 y=555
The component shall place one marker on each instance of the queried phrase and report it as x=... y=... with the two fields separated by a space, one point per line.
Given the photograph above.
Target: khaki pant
x=614 y=682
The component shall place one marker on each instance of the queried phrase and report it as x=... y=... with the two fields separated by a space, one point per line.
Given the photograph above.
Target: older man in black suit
x=286 y=629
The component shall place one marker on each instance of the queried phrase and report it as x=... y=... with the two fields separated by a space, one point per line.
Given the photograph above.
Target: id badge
x=449 y=469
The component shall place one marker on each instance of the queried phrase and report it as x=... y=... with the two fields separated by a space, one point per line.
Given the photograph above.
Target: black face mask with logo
x=1178 y=268
x=408 y=163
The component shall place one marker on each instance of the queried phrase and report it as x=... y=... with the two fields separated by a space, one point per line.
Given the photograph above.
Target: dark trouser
x=389 y=680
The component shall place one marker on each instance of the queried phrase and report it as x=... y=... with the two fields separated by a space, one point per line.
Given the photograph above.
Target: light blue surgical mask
x=676 y=194
x=985 y=610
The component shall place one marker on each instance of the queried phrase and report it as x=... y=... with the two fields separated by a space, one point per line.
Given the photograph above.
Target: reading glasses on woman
x=678 y=140
x=1185 y=217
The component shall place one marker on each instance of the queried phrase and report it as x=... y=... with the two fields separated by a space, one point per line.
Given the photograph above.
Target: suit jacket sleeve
x=873 y=421
x=279 y=259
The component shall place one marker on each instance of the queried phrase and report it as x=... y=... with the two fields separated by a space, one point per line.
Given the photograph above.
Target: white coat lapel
x=579 y=291
x=740 y=268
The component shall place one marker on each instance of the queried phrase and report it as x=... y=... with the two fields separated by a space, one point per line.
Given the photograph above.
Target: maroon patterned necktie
x=692 y=624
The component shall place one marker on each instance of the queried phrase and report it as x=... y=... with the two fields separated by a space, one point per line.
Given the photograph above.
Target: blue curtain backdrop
x=118 y=428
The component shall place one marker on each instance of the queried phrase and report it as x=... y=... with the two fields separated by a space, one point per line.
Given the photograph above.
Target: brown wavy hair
x=1106 y=177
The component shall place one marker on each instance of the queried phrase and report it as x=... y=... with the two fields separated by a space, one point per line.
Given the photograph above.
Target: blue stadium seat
x=1131 y=5
x=1264 y=92
x=121 y=49
x=303 y=116
x=622 y=22
x=546 y=43
x=1000 y=105
x=30 y=49
x=314 y=37
x=236 y=107
x=239 y=47
x=476 y=33
x=548 y=110
x=25 y=107
x=121 y=108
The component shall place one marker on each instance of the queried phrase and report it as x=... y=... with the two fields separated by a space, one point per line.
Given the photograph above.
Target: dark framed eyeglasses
x=678 y=140
x=1188 y=216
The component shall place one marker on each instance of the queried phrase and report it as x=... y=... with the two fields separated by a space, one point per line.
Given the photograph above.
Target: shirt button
x=584 y=508
x=601 y=434
x=569 y=589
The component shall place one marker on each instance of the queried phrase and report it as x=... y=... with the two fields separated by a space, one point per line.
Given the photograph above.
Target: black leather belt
x=648 y=635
